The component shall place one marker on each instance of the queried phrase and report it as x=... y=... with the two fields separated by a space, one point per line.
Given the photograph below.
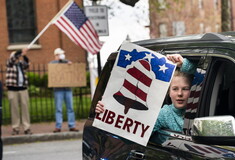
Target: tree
x=226 y=15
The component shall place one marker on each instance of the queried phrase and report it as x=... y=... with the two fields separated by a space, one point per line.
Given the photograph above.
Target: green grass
x=43 y=110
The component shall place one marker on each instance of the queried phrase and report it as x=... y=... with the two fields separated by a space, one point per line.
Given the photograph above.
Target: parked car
x=209 y=125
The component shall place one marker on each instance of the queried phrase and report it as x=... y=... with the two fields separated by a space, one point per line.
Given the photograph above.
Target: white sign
x=99 y=18
x=135 y=92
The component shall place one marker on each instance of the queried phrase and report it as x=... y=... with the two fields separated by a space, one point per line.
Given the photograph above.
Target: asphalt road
x=52 y=150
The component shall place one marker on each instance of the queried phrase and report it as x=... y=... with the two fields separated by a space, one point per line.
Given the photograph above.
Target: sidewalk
x=41 y=132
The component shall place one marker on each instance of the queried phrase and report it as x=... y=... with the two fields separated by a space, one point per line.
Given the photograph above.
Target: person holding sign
x=17 y=83
x=171 y=116
x=63 y=94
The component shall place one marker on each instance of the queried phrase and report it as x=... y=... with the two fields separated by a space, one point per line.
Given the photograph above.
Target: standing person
x=63 y=94
x=17 y=83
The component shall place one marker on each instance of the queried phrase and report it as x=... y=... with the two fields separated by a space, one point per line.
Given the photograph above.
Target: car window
x=218 y=97
x=223 y=93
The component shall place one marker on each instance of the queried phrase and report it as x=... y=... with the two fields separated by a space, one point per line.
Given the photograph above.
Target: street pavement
x=70 y=149
x=41 y=132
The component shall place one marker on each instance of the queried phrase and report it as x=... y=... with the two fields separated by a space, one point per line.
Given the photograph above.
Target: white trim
x=21 y=46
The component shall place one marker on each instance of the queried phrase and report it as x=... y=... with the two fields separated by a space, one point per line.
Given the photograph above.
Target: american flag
x=74 y=23
x=193 y=99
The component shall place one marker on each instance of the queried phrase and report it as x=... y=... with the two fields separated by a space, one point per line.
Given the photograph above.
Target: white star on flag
x=163 y=68
x=148 y=56
x=128 y=57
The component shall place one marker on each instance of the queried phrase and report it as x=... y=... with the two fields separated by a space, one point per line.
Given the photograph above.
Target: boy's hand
x=176 y=58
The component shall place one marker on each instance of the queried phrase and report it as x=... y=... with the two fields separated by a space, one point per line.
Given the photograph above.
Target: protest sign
x=135 y=92
x=67 y=75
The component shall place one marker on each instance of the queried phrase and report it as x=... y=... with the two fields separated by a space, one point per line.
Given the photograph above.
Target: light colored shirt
x=20 y=76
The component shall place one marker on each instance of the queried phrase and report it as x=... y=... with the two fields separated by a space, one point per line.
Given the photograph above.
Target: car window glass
x=224 y=87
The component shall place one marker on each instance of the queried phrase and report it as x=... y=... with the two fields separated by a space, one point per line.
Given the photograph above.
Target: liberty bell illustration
x=133 y=93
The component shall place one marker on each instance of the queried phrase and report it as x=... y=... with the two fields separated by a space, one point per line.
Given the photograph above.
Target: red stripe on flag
x=83 y=38
x=60 y=25
x=88 y=37
x=92 y=33
x=83 y=44
x=192 y=106
x=92 y=29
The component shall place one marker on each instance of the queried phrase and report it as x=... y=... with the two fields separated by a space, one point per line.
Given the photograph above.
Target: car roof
x=226 y=36
x=224 y=39
x=198 y=42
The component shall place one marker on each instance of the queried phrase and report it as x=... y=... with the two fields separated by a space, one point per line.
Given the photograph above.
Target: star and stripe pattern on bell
x=142 y=68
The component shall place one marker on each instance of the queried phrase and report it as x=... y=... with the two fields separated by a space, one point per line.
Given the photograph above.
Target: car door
x=99 y=144
x=217 y=98
x=211 y=95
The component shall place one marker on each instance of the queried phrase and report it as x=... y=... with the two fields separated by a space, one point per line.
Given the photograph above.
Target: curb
x=41 y=137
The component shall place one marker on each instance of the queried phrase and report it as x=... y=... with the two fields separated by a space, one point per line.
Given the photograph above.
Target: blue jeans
x=64 y=95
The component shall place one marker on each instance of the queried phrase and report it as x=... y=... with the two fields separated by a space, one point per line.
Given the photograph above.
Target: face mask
x=62 y=56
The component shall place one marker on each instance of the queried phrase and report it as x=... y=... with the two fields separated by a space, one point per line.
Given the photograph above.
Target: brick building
x=232 y=4
x=168 y=18
x=19 y=29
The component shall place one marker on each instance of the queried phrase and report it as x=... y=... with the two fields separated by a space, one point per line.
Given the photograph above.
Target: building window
x=202 y=30
x=162 y=4
x=163 y=30
x=216 y=4
x=217 y=28
x=21 y=21
x=200 y=4
x=178 y=28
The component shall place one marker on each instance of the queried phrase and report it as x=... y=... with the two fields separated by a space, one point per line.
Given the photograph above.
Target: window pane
x=178 y=28
x=225 y=101
x=163 y=30
x=21 y=21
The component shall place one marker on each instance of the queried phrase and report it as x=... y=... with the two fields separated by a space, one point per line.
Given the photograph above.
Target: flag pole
x=99 y=64
x=48 y=25
x=36 y=38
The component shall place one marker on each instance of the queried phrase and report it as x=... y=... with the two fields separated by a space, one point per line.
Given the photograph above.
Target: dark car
x=209 y=125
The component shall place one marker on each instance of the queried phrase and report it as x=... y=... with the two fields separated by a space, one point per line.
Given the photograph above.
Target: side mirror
x=217 y=130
